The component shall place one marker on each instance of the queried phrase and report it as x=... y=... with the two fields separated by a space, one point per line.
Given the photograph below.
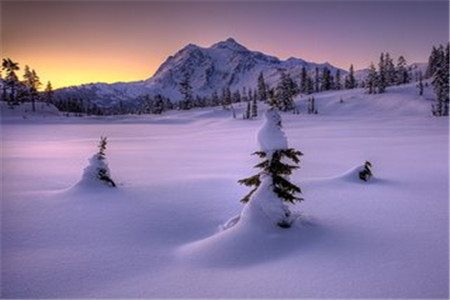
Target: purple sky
x=84 y=41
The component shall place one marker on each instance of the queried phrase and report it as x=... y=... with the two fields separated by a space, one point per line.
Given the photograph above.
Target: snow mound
x=25 y=110
x=253 y=240
x=352 y=175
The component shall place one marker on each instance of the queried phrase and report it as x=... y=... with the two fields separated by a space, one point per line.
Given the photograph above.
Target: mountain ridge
x=225 y=64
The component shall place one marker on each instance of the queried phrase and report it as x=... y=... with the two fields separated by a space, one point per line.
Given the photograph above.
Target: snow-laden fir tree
x=366 y=173
x=350 y=82
x=272 y=192
x=254 y=108
x=286 y=90
x=262 y=88
x=382 y=81
x=441 y=83
x=186 y=91
x=372 y=80
x=402 y=75
x=97 y=172
x=338 y=84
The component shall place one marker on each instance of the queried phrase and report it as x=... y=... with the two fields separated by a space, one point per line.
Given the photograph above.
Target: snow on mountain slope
x=224 y=64
x=399 y=101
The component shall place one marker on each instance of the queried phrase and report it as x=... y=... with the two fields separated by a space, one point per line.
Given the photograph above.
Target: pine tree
x=11 y=79
x=433 y=61
x=262 y=88
x=441 y=83
x=103 y=171
x=350 y=82
x=274 y=169
x=285 y=93
x=420 y=85
x=325 y=83
x=316 y=80
x=254 y=108
x=372 y=80
x=389 y=70
x=32 y=84
x=186 y=91
x=382 y=82
x=236 y=97
x=49 y=92
x=248 y=113
x=402 y=76
x=338 y=84
x=303 y=81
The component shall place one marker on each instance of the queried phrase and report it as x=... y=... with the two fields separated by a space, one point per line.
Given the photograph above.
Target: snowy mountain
x=224 y=64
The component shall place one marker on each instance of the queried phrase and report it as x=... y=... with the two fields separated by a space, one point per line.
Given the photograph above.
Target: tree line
x=15 y=91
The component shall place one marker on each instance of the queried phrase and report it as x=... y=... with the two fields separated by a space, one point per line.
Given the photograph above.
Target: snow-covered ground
x=158 y=234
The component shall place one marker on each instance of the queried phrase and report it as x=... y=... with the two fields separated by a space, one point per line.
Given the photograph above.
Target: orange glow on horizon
x=64 y=71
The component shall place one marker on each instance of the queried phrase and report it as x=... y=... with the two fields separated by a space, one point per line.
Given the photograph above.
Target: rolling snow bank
x=25 y=111
x=157 y=236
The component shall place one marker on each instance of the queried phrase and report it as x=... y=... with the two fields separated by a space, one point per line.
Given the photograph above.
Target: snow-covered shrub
x=366 y=173
x=98 y=171
x=272 y=191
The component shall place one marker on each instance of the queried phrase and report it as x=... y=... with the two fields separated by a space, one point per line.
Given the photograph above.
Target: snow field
x=158 y=234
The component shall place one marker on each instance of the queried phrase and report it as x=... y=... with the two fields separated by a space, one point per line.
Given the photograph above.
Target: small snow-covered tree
x=366 y=173
x=98 y=171
x=271 y=189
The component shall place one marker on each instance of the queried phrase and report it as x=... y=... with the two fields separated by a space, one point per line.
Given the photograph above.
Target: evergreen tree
x=316 y=80
x=372 y=80
x=366 y=173
x=274 y=169
x=325 y=83
x=186 y=91
x=11 y=79
x=32 y=84
x=433 y=61
x=49 y=92
x=338 y=84
x=420 y=85
x=254 y=108
x=303 y=81
x=402 y=76
x=389 y=70
x=215 y=99
x=285 y=93
x=382 y=82
x=350 y=82
x=248 y=112
x=236 y=97
x=103 y=170
x=226 y=97
x=312 y=106
x=262 y=88
x=441 y=83
x=310 y=85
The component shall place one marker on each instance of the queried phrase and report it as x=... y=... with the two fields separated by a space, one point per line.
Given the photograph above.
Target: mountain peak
x=229 y=43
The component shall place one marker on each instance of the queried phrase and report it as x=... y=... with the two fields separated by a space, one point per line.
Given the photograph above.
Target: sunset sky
x=78 y=42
